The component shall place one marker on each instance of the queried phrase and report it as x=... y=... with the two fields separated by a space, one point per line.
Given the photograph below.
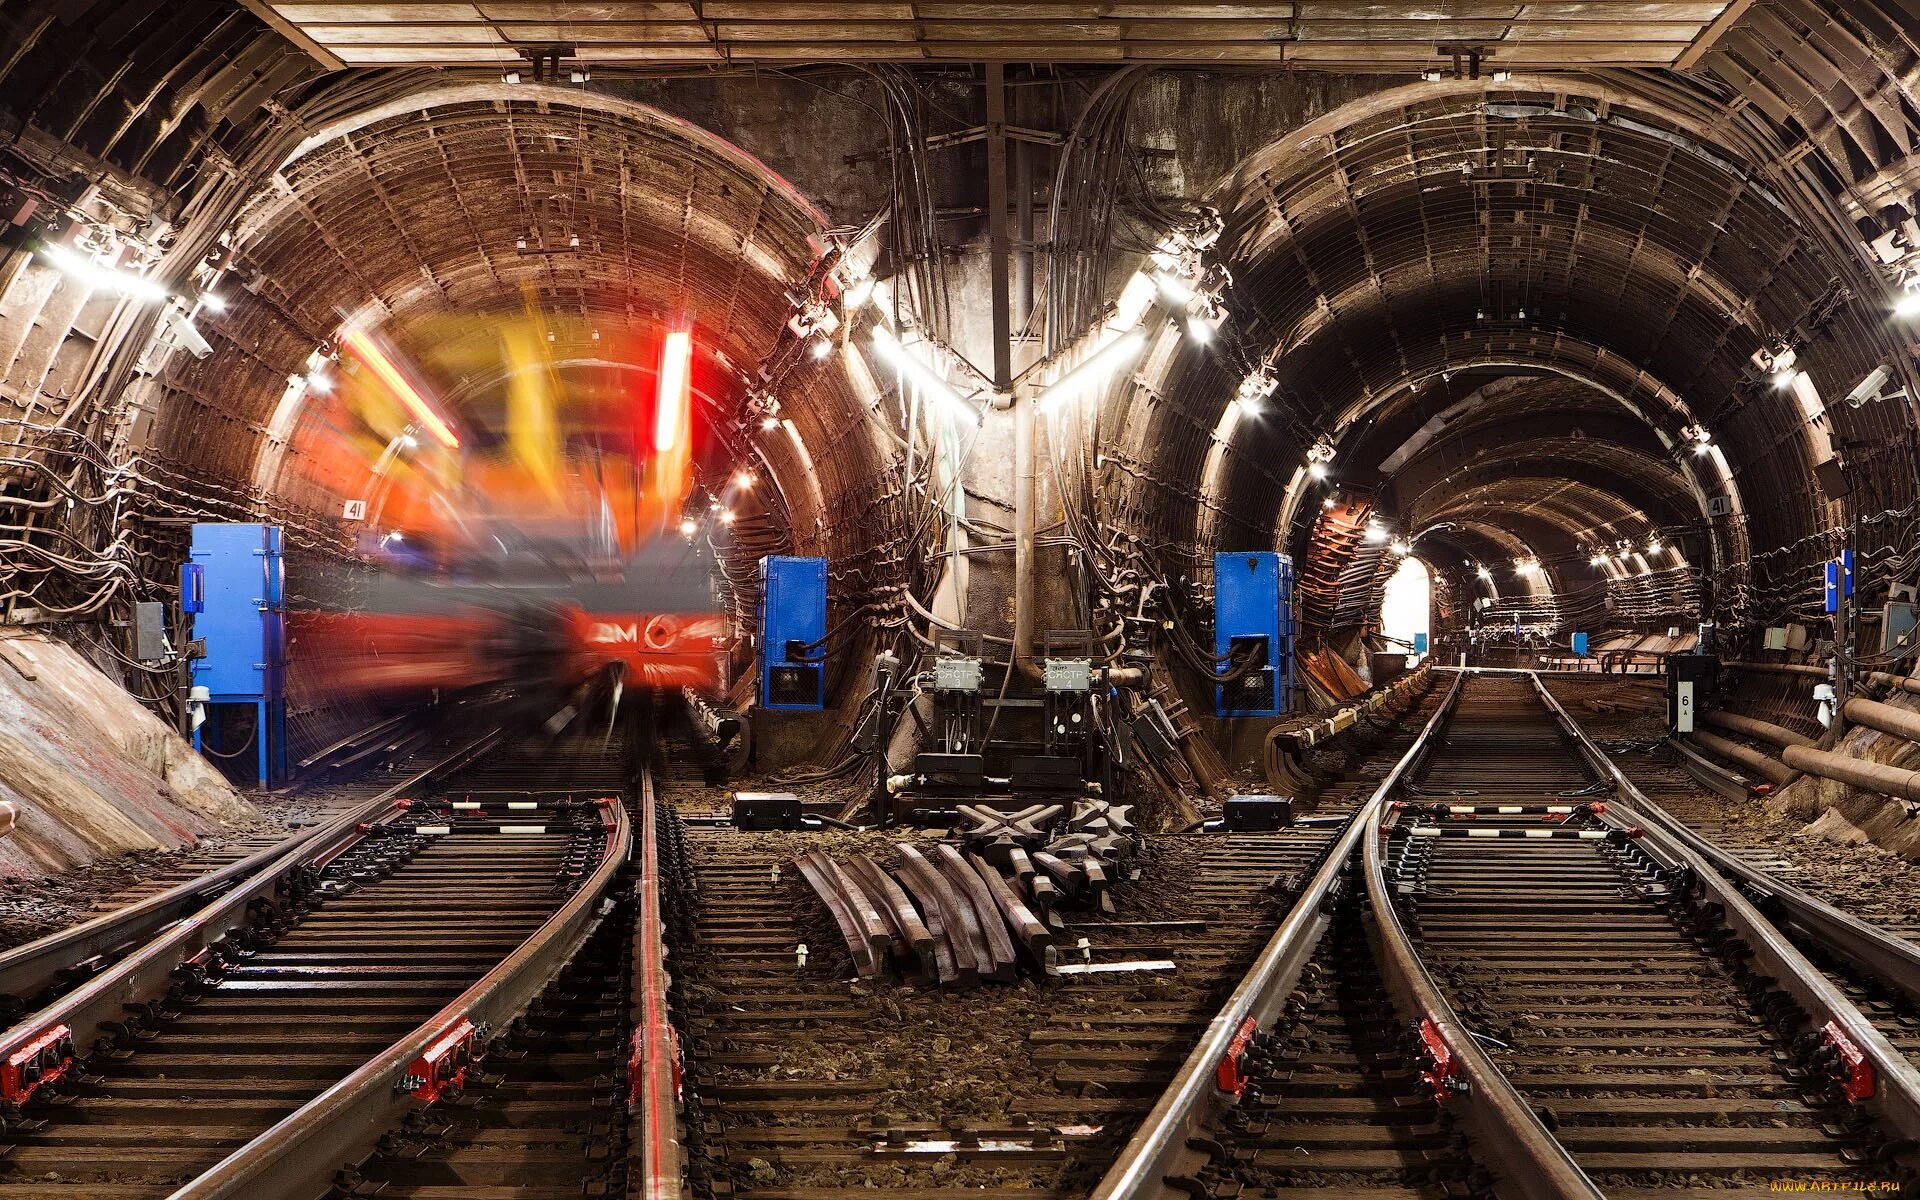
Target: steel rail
x=657 y=1164
x=31 y=969
x=1896 y=1095
x=1186 y=1110
x=1506 y=1136
x=297 y=1158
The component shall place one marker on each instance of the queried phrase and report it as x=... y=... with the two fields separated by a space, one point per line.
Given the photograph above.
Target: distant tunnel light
x=375 y=359
x=100 y=276
x=1907 y=308
x=675 y=392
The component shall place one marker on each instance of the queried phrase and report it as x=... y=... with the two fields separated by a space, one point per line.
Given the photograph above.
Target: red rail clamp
x=1440 y=1076
x=34 y=1062
x=637 y=1060
x=1855 y=1073
x=1230 y=1075
x=442 y=1066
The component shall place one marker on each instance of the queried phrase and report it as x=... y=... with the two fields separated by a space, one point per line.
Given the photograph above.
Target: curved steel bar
x=1896 y=1095
x=1191 y=1103
x=35 y=967
x=297 y=1158
x=1526 y=1162
x=657 y=1161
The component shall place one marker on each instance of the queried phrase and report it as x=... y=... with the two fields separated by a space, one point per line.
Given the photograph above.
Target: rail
x=32 y=969
x=1897 y=1093
x=297 y=1158
x=1159 y=1148
x=1526 y=1161
x=658 y=1161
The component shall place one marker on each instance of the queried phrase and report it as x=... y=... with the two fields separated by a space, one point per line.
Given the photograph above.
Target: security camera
x=1869 y=388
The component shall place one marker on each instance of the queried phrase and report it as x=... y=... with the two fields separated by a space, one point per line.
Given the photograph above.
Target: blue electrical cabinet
x=1253 y=610
x=234 y=589
x=793 y=624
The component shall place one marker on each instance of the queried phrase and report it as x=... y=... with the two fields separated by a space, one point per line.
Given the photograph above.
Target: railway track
x=37 y=973
x=1618 y=1019
x=802 y=1084
x=316 y=1003
x=1548 y=1001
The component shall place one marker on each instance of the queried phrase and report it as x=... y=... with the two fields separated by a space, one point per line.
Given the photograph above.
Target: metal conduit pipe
x=1761 y=731
x=1809 y=670
x=1766 y=767
x=1872 y=776
x=1883 y=717
x=1905 y=683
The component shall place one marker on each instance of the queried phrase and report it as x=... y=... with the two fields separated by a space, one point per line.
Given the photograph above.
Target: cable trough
x=259 y=1047
x=1559 y=996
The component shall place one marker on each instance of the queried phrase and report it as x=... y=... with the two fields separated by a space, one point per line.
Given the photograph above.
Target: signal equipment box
x=793 y=623
x=1253 y=613
x=1691 y=678
x=234 y=589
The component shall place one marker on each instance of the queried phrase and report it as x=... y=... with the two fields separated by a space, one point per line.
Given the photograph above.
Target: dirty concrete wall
x=92 y=772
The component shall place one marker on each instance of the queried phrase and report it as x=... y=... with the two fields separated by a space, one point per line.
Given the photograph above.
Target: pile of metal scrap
x=959 y=915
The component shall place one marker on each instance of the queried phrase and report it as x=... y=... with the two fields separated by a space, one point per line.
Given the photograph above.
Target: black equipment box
x=1047 y=773
x=766 y=810
x=1256 y=814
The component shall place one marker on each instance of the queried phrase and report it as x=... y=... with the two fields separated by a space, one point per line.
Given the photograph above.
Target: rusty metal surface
x=1322 y=33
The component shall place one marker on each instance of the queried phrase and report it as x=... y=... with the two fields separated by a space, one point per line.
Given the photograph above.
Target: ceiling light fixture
x=920 y=373
x=100 y=276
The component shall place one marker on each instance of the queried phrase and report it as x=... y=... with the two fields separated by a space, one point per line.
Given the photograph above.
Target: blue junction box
x=236 y=598
x=793 y=619
x=1253 y=608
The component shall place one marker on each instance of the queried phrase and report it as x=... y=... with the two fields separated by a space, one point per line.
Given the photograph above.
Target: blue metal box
x=241 y=620
x=1253 y=608
x=793 y=621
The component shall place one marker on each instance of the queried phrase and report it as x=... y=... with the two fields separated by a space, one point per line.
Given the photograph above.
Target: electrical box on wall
x=237 y=602
x=1253 y=615
x=793 y=628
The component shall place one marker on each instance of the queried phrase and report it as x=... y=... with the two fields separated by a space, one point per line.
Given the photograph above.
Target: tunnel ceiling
x=1595 y=248
x=1307 y=32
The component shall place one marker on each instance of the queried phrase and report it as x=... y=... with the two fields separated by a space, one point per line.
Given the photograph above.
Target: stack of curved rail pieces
x=956 y=916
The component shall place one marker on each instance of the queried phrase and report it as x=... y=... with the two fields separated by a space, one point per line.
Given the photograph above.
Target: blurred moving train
x=527 y=617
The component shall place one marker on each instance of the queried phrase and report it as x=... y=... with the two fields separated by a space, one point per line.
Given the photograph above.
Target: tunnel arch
x=1607 y=230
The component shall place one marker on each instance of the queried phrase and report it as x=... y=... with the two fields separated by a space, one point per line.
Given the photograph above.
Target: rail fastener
x=1848 y=1062
x=1442 y=1071
x=442 y=1067
x=36 y=1061
x=1231 y=1075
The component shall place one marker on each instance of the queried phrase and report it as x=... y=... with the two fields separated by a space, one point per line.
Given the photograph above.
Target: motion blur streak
x=670 y=415
x=375 y=359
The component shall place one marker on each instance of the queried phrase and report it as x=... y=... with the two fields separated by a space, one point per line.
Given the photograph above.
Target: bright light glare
x=744 y=480
x=1907 y=308
x=319 y=382
x=96 y=275
x=726 y=518
x=687 y=527
x=1376 y=532
x=1484 y=573
x=674 y=390
x=364 y=349
x=1101 y=363
x=1318 y=470
x=1174 y=288
x=213 y=302
x=919 y=372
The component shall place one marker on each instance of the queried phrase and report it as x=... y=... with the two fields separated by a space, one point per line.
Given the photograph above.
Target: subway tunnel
x=1171 y=420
